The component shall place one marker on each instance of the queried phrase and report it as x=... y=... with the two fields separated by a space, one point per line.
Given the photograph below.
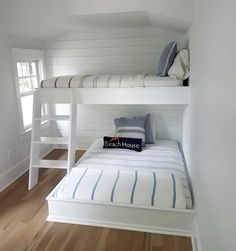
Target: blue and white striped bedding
x=154 y=178
x=109 y=81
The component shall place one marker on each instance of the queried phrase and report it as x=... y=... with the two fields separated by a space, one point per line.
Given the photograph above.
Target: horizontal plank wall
x=108 y=51
x=97 y=121
x=112 y=52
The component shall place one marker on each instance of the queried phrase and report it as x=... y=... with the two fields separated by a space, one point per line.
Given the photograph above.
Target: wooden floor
x=23 y=226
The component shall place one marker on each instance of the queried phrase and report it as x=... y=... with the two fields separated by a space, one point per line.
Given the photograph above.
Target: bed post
x=72 y=132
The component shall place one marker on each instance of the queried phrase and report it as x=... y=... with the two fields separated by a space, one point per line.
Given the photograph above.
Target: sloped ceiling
x=47 y=18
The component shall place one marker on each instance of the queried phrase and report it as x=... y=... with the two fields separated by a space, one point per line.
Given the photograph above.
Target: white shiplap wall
x=108 y=51
x=97 y=121
x=112 y=51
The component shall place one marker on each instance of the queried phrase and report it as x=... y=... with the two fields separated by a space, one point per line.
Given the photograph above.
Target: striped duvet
x=109 y=81
x=154 y=178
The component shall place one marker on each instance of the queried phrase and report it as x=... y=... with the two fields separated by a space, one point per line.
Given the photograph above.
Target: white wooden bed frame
x=179 y=222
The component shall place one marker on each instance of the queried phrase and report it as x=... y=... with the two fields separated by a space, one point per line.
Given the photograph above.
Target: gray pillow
x=130 y=127
x=166 y=59
x=150 y=129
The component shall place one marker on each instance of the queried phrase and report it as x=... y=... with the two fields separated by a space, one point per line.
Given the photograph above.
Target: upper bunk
x=114 y=89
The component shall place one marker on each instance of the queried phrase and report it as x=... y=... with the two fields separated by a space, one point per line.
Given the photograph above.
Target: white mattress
x=110 y=81
x=153 y=178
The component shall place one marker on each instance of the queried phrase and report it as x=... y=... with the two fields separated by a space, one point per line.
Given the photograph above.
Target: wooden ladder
x=37 y=140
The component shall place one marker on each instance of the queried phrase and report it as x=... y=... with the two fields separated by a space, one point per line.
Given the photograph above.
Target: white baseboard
x=13 y=173
x=116 y=225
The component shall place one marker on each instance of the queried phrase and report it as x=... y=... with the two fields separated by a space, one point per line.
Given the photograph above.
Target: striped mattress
x=109 y=81
x=153 y=178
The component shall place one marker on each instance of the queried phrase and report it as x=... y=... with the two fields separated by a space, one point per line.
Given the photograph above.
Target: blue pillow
x=166 y=60
x=130 y=127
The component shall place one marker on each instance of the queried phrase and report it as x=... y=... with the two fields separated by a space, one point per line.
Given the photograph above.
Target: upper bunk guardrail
x=126 y=96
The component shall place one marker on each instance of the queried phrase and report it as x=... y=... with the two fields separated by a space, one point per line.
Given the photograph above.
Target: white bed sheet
x=154 y=178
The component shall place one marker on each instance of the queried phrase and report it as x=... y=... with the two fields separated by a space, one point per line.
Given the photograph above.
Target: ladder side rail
x=35 y=135
x=72 y=132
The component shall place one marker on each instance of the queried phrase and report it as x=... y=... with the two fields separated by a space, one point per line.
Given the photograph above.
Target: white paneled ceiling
x=45 y=19
x=48 y=27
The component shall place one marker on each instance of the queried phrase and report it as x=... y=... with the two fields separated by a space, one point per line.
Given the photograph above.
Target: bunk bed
x=89 y=89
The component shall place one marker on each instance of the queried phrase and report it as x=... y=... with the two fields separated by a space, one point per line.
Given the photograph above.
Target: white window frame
x=21 y=55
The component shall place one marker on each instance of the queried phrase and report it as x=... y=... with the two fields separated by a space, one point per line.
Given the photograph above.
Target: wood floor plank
x=72 y=240
x=23 y=225
x=146 y=244
x=101 y=246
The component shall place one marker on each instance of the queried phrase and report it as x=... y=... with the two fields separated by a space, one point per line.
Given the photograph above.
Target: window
x=28 y=65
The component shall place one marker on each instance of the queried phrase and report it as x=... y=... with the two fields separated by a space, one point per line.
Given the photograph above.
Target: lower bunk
x=144 y=191
x=165 y=221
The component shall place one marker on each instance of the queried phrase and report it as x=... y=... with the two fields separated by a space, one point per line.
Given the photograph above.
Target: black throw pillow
x=123 y=143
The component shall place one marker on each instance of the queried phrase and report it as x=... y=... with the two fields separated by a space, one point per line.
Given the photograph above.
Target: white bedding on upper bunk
x=153 y=178
x=110 y=81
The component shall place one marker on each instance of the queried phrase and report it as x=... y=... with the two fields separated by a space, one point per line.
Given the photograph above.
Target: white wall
x=13 y=148
x=212 y=47
x=97 y=121
x=133 y=50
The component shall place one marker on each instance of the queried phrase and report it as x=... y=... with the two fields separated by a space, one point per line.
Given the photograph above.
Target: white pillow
x=180 y=67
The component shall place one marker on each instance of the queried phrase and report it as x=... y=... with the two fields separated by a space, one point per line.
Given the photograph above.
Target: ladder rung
x=56 y=117
x=44 y=163
x=52 y=140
